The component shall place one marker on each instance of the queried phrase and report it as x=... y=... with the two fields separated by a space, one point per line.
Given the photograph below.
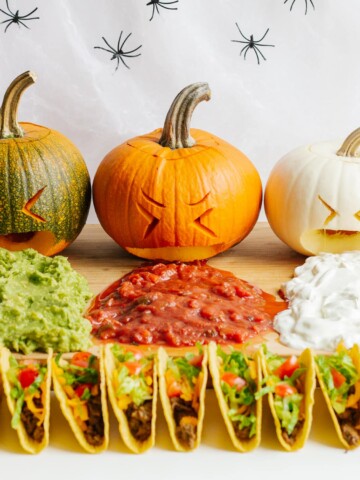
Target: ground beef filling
x=350 y=425
x=290 y=439
x=186 y=420
x=94 y=432
x=30 y=421
x=139 y=419
x=243 y=433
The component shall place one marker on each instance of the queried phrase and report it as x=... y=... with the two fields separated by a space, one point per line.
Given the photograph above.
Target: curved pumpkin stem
x=9 y=127
x=350 y=147
x=176 y=131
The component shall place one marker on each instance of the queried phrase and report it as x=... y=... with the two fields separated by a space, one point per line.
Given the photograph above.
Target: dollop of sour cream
x=324 y=303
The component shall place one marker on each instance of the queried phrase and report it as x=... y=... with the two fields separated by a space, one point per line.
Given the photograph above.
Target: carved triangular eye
x=333 y=212
x=357 y=215
x=26 y=210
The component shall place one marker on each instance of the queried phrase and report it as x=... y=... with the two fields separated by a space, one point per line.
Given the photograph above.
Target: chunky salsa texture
x=179 y=304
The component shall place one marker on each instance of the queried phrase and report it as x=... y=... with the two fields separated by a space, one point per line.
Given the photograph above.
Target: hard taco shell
x=355 y=356
x=27 y=443
x=125 y=432
x=162 y=358
x=241 y=445
x=68 y=413
x=307 y=359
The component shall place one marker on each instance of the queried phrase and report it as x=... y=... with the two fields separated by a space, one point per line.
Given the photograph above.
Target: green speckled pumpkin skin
x=46 y=163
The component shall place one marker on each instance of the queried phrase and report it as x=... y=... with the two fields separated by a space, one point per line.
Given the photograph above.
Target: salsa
x=180 y=304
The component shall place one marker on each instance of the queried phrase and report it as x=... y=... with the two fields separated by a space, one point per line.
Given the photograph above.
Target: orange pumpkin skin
x=177 y=204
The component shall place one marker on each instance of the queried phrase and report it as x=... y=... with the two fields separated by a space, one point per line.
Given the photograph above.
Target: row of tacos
x=130 y=376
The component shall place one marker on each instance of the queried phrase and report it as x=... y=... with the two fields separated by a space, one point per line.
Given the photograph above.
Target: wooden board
x=261 y=259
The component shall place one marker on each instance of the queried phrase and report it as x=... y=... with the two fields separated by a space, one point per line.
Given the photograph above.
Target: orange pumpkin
x=177 y=194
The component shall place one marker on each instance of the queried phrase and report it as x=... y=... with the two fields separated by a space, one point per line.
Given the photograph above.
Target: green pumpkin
x=45 y=187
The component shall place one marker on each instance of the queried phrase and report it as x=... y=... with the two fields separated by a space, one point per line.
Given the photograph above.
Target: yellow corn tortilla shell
x=27 y=443
x=355 y=356
x=307 y=359
x=68 y=412
x=162 y=358
x=125 y=432
x=214 y=365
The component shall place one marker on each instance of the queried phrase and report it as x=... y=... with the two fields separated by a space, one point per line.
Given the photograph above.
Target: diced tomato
x=133 y=367
x=174 y=389
x=338 y=378
x=284 y=389
x=27 y=376
x=233 y=380
x=287 y=368
x=196 y=361
x=81 y=389
x=81 y=359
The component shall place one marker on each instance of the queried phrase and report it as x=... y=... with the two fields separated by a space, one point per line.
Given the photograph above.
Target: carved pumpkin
x=312 y=198
x=175 y=194
x=44 y=183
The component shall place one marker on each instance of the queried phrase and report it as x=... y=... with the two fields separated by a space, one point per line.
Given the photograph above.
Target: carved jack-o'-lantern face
x=171 y=202
x=312 y=199
x=44 y=182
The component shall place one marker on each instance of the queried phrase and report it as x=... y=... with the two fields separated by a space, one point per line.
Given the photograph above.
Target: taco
x=236 y=379
x=339 y=379
x=79 y=385
x=131 y=378
x=182 y=385
x=290 y=383
x=27 y=389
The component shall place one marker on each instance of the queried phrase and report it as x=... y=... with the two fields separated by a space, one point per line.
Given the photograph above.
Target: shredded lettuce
x=342 y=362
x=288 y=410
x=236 y=362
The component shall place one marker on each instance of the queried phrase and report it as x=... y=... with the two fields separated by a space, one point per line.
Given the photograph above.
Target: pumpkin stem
x=350 y=147
x=176 y=131
x=9 y=127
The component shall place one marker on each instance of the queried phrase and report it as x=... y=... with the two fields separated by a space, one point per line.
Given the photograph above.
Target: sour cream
x=324 y=303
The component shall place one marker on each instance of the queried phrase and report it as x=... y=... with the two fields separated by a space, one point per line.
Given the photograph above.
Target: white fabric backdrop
x=307 y=90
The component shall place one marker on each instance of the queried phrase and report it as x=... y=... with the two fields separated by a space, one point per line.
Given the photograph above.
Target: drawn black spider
x=119 y=53
x=306 y=5
x=16 y=18
x=157 y=3
x=251 y=43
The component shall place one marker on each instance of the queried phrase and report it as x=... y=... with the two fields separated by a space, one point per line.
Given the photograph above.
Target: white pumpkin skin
x=298 y=188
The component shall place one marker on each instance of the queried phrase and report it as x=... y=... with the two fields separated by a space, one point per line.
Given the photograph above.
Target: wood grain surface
x=261 y=259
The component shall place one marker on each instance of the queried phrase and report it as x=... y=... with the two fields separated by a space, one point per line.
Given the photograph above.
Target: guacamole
x=41 y=303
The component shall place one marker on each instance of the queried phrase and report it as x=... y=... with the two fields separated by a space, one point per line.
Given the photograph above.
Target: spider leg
x=124 y=62
x=247 y=49
x=167 y=3
x=118 y=44
x=131 y=51
x=124 y=42
x=32 y=18
x=262 y=38
x=5 y=21
x=28 y=14
x=263 y=44
x=257 y=56
x=8 y=14
x=240 y=41
x=292 y=5
x=167 y=8
x=248 y=39
x=246 y=46
x=7 y=6
x=11 y=22
x=306 y=5
x=108 y=44
x=153 y=11
x=130 y=56
x=23 y=24
x=311 y=1
x=258 y=50
x=105 y=49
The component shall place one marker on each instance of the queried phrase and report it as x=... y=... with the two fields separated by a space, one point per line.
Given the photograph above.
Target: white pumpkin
x=312 y=197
